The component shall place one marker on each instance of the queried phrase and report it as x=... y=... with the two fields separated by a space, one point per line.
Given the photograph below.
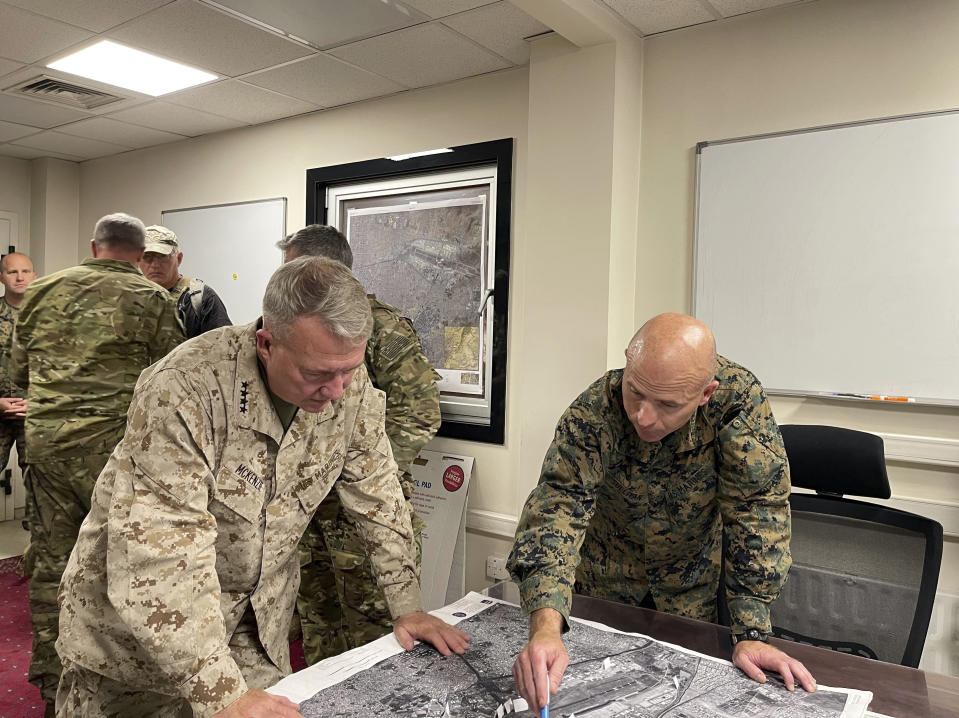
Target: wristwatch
x=750 y=634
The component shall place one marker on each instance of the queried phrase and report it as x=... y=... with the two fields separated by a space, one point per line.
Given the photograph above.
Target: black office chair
x=864 y=576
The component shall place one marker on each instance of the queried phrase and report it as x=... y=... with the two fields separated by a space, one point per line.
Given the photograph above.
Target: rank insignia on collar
x=244 y=396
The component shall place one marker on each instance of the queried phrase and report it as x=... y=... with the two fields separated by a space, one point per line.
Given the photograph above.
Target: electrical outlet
x=496 y=568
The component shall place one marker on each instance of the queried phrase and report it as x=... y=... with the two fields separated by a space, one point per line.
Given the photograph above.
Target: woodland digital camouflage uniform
x=627 y=516
x=339 y=605
x=11 y=430
x=185 y=574
x=84 y=335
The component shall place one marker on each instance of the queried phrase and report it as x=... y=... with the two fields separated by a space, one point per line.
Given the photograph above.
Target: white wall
x=802 y=65
x=54 y=207
x=15 y=195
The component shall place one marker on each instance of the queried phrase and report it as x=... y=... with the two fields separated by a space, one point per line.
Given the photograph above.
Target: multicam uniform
x=180 y=592
x=629 y=516
x=339 y=604
x=83 y=336
x=211 y=314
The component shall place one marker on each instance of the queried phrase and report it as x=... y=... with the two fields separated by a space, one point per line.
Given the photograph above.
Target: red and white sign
x=439 y=498
x=453 y=478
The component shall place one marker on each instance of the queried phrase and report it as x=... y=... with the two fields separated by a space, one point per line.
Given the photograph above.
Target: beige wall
x=591 y=255
x=799 y=66
x=271 y=161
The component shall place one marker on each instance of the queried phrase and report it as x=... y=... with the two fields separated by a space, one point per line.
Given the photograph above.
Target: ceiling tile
x=324 y=81
x=11 y=131
x=95 y=15
x=8 y=66
x=328 y=23
x=174 y=118
x=36 y=114
x=53 y=141
x=31 y=153
x=106 y=129
x=240 y=101
x=442 y=8
x=728 y=8
x=420 y=56
x=500 y=27
x=652 y=16
x=27 y=37
x=209 y=39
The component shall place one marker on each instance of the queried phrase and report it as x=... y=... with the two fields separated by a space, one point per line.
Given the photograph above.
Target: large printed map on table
x=611 y=674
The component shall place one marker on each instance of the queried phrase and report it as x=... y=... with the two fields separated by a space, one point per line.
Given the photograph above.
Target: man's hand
x=13 y=408
x=544 y=654
x=752 y=656
x=421 y=626
x=260 y=704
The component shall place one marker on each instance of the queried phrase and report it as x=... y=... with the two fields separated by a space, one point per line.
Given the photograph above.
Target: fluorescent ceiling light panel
x=122 y=66
x=441 y=150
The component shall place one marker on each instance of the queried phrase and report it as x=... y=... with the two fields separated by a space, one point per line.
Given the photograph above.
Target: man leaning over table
x=648 y=467
x=179 y=594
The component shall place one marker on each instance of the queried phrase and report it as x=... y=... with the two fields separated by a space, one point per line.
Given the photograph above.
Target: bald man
x=648 y=467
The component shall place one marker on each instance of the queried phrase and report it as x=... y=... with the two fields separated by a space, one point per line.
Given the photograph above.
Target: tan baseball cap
x=161 y=240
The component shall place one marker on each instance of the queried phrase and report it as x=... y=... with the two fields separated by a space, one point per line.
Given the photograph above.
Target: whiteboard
x=231 y=247
x=827 y=260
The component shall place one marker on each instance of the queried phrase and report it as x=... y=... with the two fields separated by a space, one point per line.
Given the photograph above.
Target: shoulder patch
x=395 y=345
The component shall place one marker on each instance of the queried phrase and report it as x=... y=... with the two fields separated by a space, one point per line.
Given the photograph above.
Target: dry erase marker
x=544 y=711
x=907 y=399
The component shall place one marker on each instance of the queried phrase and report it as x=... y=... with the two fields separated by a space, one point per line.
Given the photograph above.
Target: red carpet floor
x=18 y=699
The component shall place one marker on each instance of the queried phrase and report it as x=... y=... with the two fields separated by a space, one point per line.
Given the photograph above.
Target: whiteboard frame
x=700 y=146
x=219 y=287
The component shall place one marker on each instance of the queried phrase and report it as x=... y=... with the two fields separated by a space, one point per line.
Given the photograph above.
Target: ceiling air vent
x=52 y=89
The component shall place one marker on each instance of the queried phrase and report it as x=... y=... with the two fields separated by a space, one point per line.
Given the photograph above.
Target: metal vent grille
x=64 y=93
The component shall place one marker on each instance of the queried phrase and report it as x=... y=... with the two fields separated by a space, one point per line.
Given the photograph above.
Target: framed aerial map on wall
x=430 y=235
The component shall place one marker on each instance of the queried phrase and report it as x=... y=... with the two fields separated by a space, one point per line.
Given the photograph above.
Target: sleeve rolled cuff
x=745 y=612
x=403 y=598
x=534 y=595
x=218 y=683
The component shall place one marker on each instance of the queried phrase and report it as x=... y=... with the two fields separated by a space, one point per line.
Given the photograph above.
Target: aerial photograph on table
x=610 y=674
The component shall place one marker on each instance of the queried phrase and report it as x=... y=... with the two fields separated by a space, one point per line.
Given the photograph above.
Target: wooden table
x=897 y=691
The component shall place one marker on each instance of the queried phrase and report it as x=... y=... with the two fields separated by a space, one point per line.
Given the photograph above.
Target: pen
x=870 y=397
x=544 y=711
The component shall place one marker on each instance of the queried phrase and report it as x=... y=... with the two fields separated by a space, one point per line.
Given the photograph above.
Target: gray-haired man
x=180 y=591
x=198 y=306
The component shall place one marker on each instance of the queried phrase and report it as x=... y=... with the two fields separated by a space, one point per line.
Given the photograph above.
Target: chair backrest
x=837 y=461
x=864 y=576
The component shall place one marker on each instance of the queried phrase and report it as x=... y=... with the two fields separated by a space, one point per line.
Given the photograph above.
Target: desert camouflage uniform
x=627 y=516
x=191 y=542
x=339 y=604
x=83 y=336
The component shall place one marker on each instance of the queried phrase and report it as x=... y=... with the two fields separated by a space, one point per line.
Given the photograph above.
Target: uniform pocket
x=240 y=495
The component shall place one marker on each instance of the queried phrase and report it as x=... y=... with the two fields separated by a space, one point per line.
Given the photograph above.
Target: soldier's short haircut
x=321 y=288
x=120 y=231
x=318 y=240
